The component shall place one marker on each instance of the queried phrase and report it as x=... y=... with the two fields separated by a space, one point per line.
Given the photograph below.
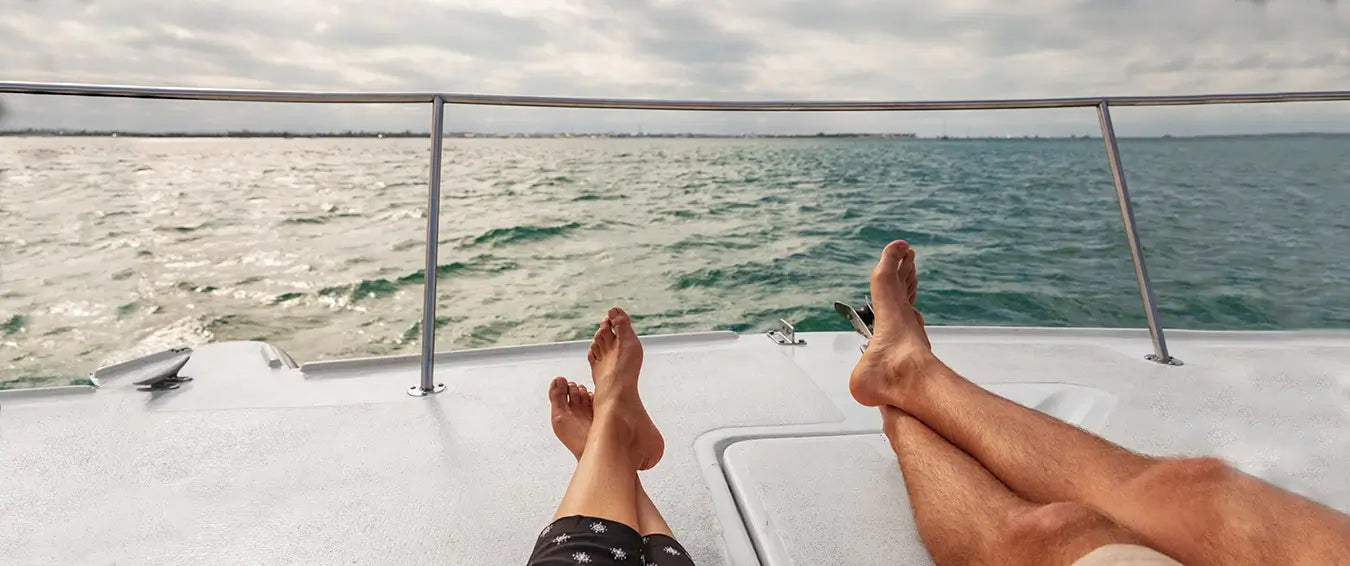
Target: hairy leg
x=1199 y=511
x=965 y=516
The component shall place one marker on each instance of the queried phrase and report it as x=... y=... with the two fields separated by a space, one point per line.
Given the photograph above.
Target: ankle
x=910 y=371
x=613 y=422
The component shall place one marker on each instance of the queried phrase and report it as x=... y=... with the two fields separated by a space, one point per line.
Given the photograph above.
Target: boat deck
x=258 y=462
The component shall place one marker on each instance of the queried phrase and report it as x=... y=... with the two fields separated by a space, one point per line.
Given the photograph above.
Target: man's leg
x=1199 y=511
x=965 y=516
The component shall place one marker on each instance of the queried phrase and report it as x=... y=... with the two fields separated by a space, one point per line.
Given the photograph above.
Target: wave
x=522 y=234
x=14 y=325
x=377 y=288
x=363 y=289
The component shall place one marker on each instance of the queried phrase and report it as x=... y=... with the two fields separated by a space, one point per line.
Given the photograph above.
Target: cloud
x=731 y=49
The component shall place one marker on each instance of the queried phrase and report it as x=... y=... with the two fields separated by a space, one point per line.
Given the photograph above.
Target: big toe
x=557 y=393
x=885 y=282
x=622 y=323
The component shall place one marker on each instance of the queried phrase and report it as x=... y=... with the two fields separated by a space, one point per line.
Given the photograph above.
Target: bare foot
x=616 y=360
x=571 y=413
x=899 y=348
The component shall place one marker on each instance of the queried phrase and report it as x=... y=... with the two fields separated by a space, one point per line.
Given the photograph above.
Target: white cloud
x=735 y=49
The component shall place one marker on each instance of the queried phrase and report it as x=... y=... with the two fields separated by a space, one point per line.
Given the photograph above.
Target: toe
x=886 y=283
x=909 y=275
x=593 y=353
x=893 y=253
x=573 y=394
x=605 y=335
x=623 y=324
x=587 y=398
x=557 y=393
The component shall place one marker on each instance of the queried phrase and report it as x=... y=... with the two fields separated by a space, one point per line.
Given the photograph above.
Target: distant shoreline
x=605 y=135
x=459 y=135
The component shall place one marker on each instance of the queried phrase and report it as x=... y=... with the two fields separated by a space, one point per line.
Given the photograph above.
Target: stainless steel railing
x=235 y=95
x=438 y=101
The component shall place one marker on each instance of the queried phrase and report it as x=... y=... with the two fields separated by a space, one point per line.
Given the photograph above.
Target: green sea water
x=113 y=248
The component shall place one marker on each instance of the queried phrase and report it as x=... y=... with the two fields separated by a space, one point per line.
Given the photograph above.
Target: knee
x=1207 y=497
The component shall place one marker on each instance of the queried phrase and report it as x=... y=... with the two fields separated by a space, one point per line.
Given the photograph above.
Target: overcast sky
x=729 y=49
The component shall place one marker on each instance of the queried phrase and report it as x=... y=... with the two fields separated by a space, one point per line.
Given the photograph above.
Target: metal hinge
x=786 y=334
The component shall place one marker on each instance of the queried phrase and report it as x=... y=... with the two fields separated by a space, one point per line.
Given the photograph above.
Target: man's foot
x=899 y=348
x=616 y=360
x=571 y=413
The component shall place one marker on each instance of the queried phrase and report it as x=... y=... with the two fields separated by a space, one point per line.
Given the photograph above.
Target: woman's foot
x=616 y=360
x=571 y=407
x=899 y=349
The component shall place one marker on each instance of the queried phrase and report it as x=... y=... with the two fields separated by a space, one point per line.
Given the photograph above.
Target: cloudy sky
x=729 y=49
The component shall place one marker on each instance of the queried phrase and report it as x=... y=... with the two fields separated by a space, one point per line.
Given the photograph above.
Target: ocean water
x=112 y=248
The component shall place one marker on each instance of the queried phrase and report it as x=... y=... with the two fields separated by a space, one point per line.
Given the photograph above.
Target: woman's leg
x=598 y=518
x=650 y=521
x=658 y=542
x=605 y=482
x=572 y=414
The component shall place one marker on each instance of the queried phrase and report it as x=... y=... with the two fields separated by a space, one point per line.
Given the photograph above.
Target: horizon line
x=246 y=133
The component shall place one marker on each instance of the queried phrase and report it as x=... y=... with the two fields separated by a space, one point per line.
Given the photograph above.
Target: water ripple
x=119 y=247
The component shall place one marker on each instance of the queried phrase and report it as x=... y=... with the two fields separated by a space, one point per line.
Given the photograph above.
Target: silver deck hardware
x=785 y=334
x=860 y=319
x=167 y=377
x=438 y=100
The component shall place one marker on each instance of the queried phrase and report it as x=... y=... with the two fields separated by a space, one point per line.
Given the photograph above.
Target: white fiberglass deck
x=254 y=464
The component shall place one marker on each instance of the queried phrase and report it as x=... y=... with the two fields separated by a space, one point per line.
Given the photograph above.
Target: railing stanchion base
x=417 y=391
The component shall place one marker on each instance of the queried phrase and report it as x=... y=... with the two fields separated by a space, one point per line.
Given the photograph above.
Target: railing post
x=432 y=247
x=1155 y=330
